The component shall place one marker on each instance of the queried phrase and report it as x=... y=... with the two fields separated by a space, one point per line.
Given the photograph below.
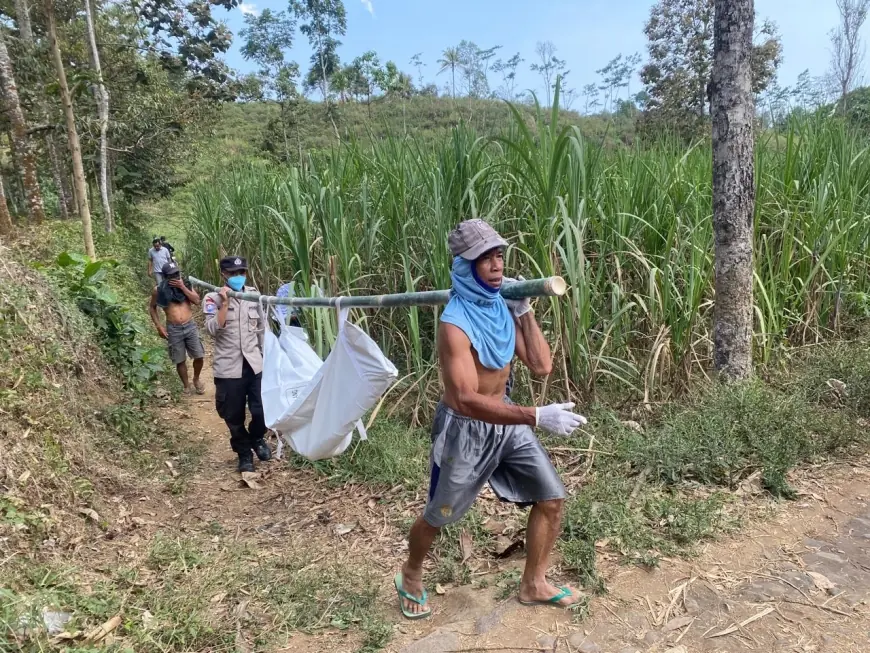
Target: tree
x=325 y=21
x=81 y=192
x=20 y=139
x=810 y=92
x=417 y=62
x=847 y=53
x=471 y=68
x=614 y=76
x=550 y=65
x=591 y=93
x=60 y=178
x=732 y=110
x=189 y=42
x=450 y=60
x=508 y=71
x=268 y=37
x=367 y=68
x=680 y=45
x=484 y=56
x=102 y=97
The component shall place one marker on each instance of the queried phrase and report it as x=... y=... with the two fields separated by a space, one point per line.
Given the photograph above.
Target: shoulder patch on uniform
x=210 y=306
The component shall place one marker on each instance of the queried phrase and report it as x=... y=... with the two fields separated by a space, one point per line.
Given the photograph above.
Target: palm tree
x=450 y=58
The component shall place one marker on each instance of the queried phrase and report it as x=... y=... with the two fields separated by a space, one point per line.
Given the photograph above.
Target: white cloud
x=249 y=9
x=369 y=6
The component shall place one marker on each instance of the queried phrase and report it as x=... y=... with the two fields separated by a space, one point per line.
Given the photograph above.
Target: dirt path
x=796 y=582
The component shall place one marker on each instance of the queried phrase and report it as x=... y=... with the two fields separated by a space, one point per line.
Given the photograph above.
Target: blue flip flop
x=553 y=600
x=410 y=597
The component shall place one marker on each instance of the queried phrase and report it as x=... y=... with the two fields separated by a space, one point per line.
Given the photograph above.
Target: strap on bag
x=342 y=319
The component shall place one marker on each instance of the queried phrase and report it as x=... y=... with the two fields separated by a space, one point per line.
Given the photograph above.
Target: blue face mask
x=237 y=282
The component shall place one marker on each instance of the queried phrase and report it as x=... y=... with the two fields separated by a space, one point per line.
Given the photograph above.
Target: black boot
x=262 y=450
x=246 y=461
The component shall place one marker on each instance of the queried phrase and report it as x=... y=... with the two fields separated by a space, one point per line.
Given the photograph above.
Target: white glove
x=519 y=307
x=558 y=419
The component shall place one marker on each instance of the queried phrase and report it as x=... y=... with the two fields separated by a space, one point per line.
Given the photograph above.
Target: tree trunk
x=57 y=176
x=102 y=97
x=72 y=135
x=23 y=150
x=5 y=219
x=733 y=187
x=22 y=19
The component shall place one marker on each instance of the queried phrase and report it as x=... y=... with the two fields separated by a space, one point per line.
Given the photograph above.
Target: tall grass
x=630 y=229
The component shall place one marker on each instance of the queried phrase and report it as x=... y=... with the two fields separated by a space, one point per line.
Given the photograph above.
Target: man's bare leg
x=182 y=374
x=419 y=542
x=197 y=368
x=545 y=521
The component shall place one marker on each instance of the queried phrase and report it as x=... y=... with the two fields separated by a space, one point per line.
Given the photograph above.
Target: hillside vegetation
x=244 y=127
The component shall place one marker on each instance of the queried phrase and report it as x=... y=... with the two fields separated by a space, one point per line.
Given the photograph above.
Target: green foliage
x=732 y=430
x=119 y=330
x=629 y=230
x=677 y=76
x=858 y=108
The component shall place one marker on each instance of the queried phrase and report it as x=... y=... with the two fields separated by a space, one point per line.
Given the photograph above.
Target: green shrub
x=116 y=324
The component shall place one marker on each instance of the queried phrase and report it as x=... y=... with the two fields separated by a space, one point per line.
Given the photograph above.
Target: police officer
x=237 y=327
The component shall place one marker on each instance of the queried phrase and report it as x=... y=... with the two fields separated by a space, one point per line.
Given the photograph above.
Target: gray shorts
x=184 y=338
x=158 y=278
x=467 y=453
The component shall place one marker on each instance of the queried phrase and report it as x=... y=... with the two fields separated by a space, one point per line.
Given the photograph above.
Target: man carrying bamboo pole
x=479 y=436
x=238 y=327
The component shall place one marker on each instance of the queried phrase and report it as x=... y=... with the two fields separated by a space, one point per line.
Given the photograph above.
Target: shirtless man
x=177 y=300
x=478 y=435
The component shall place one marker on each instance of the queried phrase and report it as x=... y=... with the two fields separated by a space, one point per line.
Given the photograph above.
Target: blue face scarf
x=482 y=315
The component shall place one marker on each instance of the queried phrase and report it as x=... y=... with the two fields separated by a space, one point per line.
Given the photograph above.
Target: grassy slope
x=241 y=130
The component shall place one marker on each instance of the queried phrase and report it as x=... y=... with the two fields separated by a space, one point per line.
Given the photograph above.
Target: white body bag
x=316 y=404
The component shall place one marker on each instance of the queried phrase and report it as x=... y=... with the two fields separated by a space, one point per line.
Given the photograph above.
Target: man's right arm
x=461 y=384
x=150 y=264
x=216 y=316
x=155 y=317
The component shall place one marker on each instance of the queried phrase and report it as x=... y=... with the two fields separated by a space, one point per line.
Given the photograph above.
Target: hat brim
x=235 y=269
x=483 y=247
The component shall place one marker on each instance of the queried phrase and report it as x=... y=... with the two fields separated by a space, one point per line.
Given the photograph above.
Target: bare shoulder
x=452 y=339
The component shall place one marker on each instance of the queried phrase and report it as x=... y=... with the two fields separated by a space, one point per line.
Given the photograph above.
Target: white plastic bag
x=289 y=364
x=316 y=414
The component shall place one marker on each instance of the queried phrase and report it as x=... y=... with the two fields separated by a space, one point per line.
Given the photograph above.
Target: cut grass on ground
x=193 y=594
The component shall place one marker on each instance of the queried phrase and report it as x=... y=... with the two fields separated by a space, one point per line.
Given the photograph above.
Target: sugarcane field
x=319 y=333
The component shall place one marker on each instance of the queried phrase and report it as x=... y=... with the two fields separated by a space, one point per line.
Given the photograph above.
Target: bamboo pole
x=549 y=287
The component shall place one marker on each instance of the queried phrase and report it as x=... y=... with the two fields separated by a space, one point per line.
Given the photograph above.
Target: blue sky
x=587 y=33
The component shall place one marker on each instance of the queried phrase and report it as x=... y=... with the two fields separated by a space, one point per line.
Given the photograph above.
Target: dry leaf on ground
x=466 y=545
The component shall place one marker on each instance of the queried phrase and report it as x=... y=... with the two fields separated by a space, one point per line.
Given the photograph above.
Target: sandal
x=553 y=600
x=410 y=597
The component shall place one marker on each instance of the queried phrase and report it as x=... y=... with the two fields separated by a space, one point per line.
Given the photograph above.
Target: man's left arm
x=532 y=348
x=192 y=295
